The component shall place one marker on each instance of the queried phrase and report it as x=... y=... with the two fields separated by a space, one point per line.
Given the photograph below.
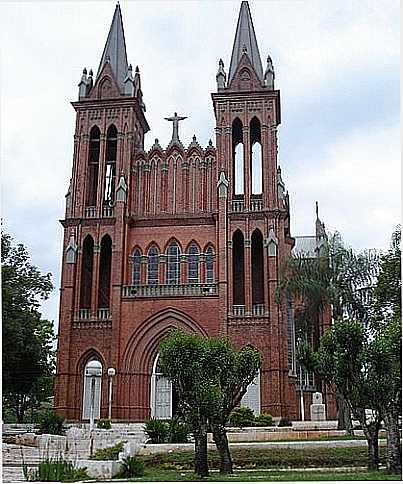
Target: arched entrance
x=251 y=398
x=92 y=386
x=163 y=396
x=150 y=395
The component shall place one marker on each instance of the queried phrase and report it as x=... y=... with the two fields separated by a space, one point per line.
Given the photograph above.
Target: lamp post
x=302 y=387
x=94 y=371
x=111 y=374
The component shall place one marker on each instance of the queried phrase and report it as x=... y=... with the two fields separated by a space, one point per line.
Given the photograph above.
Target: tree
x=27 y=339
x=234 y=371
x=349 y=359
x=337 y=278
x=386 y=324
x=211 y=379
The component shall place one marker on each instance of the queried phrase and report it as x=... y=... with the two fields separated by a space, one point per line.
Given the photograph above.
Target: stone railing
x=168 y=290
x=90 y=212
x=107 y=211
x=238 y=310
x=102 y=314
x=256 y=205
x=239 y=314
x=258 y=310
x=238 y=205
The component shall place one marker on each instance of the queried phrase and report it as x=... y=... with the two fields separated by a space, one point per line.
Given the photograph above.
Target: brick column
x=248 y=275
x=246 y=167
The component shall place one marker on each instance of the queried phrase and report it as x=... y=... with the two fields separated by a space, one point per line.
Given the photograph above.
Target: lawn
x=152 y=475
x=252 y=458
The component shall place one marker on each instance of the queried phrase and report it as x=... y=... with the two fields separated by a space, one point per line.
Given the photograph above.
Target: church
x=182 y=236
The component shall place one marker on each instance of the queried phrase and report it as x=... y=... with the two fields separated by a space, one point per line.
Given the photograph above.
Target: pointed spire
x=115 y=49
x=245 y=42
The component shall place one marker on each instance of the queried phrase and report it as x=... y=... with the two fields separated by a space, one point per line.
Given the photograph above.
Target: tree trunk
x=221 y=442
x=371 y=432
x=343 y=414
x=201 y=464
x=394 y=448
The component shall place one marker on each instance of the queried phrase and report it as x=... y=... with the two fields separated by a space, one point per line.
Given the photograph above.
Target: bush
x=157 y=430
x=50 y=423
x=108 y=453
x=264 y=420
x=242 y=417
x=178 y=431
x=50 y=470
x=284 y=422
x=104 y=423
x=132 y=467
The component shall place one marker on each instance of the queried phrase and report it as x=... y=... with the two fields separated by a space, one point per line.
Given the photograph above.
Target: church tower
x=253 y=218
x=110 y=126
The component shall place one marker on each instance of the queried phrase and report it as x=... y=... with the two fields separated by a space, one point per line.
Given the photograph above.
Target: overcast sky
x=336 y=64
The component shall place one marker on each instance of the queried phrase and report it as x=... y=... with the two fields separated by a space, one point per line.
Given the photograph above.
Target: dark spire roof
x=245 y=38
x=115 y=49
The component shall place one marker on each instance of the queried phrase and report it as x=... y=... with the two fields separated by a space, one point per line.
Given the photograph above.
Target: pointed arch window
x=256 y=157
x=153 y=266
x=87 y=266
x=238 y=269
x=105 y=266
x=257 y=272
x=210 y=265
x=136 y=261
x=173 y=263
x=193 y=264
x=238 y=157
x=93 y=166
x=110 y=171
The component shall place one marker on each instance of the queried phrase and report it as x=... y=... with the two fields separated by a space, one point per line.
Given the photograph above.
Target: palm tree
x=337 y=279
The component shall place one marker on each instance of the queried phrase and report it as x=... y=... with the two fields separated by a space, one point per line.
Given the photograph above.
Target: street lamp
x=111 y=374
x=94 y=371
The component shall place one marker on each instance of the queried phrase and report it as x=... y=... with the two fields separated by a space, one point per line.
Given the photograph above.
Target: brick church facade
x=177 y=237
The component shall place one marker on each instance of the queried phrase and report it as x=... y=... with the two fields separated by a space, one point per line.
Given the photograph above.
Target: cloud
x=336 y=64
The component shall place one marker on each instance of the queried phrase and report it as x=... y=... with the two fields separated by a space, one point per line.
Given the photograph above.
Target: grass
x=275 y=476
x=252 y=458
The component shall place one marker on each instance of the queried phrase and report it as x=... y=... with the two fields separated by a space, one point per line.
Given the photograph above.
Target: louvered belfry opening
x=238 y=157
x=238 y=269
x=110 y=172
x=257 y=268
x=93 y=166
x=105 y=266
x=87 y=266
x=256 y=167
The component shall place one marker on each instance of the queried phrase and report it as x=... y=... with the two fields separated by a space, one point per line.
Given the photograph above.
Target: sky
x=336 y=65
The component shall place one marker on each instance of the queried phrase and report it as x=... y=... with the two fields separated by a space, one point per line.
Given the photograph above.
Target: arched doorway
x=251 y=398
x=163 y=395
x=92 y=384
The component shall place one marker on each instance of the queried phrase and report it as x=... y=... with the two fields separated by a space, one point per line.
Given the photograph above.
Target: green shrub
x=264 y=420
x=50 y=423
x=284 y=422
x=242 y=417
x=157 y=430
x=50 y=470
x=178 y=431
x=132 y=467
x=108 y=453
x=104 y=423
